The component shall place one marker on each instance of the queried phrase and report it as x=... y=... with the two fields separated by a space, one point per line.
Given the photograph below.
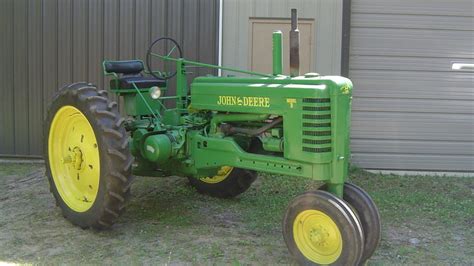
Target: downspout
x=219 y=48
x=346 y=37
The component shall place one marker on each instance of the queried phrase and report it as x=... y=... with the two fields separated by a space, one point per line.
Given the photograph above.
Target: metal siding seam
x=57 y=47
x=198 y=36
x=220 y=41
x=102 y=53
x=134 y=21
x=118 y=32
x=87 y=64
x=14 y=89
x=150 y=25
x=181 y=29
x=71 y=7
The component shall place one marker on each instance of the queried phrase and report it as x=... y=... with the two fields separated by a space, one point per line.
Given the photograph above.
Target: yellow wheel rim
x=74 y=158
x=317 y=237
x=221 y=175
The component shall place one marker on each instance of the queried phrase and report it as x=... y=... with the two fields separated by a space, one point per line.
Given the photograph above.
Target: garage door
x=411 y=110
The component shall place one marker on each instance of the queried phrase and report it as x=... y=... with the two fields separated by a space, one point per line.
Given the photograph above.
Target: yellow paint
x=291 y=101
x=74 y=158
x=317 y=237
x=244 y=101
x=221 y=175
x=345 y=89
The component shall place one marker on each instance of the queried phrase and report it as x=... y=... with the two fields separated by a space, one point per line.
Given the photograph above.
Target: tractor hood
x=273 y=95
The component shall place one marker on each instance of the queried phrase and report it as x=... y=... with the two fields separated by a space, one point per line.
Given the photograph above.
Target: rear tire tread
x=112 y=105
x=115 y=165
x=97 y=97
x=115 y=152
x=113 y=132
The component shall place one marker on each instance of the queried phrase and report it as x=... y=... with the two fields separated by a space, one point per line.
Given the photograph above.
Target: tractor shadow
x=173 y=201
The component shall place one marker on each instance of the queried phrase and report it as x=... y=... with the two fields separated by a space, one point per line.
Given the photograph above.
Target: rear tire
x=75 y=166
x=230 y=184
x=234 y=184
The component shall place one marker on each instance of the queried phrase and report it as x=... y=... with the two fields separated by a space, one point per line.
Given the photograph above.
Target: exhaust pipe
x=294 y=45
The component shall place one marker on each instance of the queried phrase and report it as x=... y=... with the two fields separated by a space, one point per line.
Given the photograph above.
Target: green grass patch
x=17 y=168
x=446 y=200
x=425 y=220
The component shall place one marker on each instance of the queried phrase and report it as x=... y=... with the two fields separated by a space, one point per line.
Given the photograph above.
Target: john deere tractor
x=219 y=132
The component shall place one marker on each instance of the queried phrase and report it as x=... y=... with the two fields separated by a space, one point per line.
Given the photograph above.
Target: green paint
x=220 y=118
x=140 y=104
x=312 y=142
x=272 y=144
x=157 y=148
x=277 y=53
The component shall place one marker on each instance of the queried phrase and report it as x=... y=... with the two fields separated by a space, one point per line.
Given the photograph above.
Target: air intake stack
x=277 y=53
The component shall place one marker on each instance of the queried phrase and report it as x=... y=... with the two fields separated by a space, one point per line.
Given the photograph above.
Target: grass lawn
x=425 y=220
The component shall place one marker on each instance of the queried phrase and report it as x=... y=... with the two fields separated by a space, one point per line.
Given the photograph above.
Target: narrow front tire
x=368 y=214
x=321 y=229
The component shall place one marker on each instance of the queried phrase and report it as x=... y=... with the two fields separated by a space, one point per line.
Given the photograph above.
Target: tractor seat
x=140 y=81
x=126 y=67
x=130 y=71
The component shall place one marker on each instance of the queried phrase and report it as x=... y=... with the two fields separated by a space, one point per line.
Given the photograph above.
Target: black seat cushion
x=140 y=82
x=124 y=67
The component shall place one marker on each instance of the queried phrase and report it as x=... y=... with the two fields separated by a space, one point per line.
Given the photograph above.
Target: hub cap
x=317 y=237
x=74 y=158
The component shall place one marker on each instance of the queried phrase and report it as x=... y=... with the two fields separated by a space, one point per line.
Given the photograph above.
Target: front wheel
x=368 y=214
x=88 y=163
x=321 y=229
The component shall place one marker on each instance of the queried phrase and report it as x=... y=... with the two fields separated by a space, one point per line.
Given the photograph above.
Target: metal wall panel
x=20 y=83
x=34 y=74
x=7 y=120
x=47 y=44
x=327 y=31
x=64 y=51
x=455 y=8
x=411 y=110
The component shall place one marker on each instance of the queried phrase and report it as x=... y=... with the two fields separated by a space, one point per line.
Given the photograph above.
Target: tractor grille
x=316 y=122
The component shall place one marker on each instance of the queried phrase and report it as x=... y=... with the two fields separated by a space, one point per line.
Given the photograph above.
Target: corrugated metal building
x=320 y=25
x=46 y=44
x=411 y=110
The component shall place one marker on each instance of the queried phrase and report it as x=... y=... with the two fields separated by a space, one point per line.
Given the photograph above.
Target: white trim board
x=420 y=173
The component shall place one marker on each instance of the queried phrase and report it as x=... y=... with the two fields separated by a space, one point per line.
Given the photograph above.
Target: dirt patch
x=158 y=228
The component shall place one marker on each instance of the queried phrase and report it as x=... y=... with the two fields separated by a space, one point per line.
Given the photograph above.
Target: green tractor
x=219 y=132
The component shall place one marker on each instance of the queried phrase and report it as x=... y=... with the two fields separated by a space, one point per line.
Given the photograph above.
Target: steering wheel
x=163 y=44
